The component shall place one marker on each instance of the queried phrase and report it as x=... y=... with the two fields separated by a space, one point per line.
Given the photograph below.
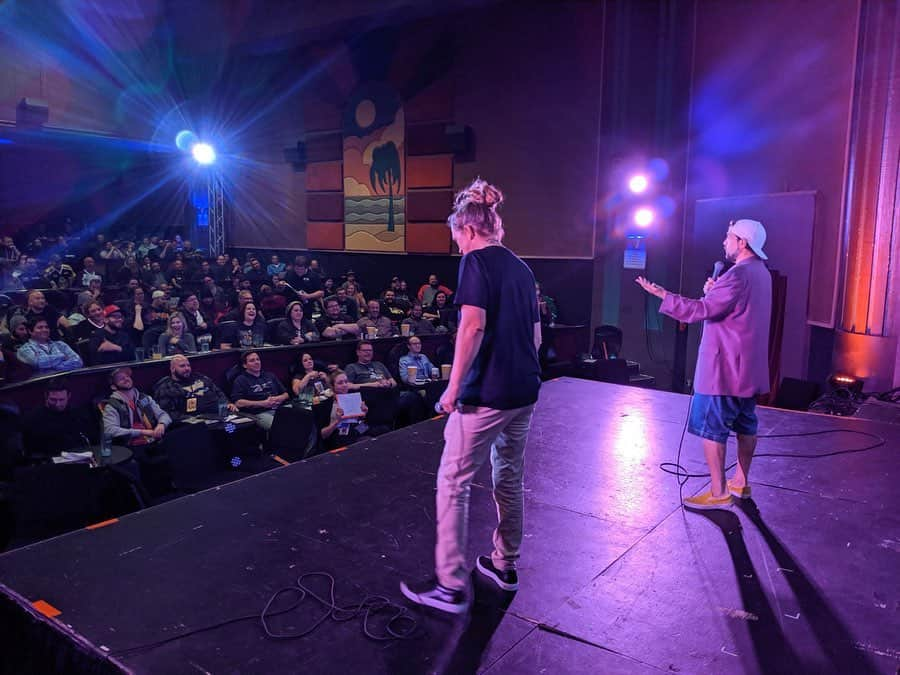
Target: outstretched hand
x=651 y=288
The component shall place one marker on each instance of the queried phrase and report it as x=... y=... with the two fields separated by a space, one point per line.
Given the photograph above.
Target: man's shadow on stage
x=773 y=652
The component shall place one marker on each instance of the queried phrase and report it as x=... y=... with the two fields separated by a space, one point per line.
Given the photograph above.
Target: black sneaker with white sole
x=508 y=580
x=431 y=594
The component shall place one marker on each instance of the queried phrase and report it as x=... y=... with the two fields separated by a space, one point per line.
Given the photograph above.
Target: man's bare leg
x=715 y=460
x=746 y=448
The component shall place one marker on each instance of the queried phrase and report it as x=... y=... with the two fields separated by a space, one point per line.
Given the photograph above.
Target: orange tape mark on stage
x=102 y=523
x=280 y=460
x=437 y=417
x=46 y=608
x=337 y=450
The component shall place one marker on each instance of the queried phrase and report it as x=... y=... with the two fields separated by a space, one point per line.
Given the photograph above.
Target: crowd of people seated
x=118 y=301
x=113 y=302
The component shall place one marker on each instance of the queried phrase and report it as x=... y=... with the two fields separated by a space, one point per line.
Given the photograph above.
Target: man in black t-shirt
x=333 y=325
x=490 y=398
x=111 y=344
x=306 y=285
x=256 y=392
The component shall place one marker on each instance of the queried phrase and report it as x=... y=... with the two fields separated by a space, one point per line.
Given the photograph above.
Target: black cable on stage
x=399 y=625
x=676 y=469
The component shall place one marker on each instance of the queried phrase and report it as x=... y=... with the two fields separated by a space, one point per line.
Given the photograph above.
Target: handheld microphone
x=717 y=269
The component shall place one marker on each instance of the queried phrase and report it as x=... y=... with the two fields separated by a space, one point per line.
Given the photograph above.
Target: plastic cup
x=445 y=371
x=411 y=372
x=371 y=332
x=139 y=354
x=156 y=355
x=404 y=329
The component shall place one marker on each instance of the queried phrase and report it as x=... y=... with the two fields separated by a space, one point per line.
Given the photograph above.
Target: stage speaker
x=459 y=139
x=794 y=394
x=32 y=112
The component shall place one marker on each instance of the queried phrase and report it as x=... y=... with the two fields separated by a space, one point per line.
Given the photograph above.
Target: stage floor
x=615 y=577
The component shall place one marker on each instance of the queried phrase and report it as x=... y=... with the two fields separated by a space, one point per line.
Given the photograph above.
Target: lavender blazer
x=734 y=351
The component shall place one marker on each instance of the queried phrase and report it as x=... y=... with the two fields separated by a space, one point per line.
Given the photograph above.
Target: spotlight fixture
x=638 y=183
x=644 y=217
x=203 y=153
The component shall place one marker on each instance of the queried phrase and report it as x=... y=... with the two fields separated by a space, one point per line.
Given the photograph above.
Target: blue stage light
x=203 y=153
x=185 y=139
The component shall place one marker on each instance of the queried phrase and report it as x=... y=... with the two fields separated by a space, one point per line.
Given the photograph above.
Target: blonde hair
x=476 y=206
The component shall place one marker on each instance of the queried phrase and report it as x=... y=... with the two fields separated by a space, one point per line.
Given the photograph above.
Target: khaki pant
x=469 y=436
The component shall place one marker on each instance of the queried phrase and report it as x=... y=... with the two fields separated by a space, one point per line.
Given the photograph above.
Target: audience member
x=415 y=359
x=546 y=306
x=441 y=313
x=355 y=294
x=295 y=329
x=93 y=321
x=341 y=430
x=272 y=304
x=18 y=333
x=111 y=344
x=56 y=425
x=333 y=325
x=307 y=286
x=394 y=310
x=347 y=304
x=256 y=275
x=418 y=324
x=186 y=393
x=193 y=317
x=246 y=332
x=46 y=355
x=275 y=266
x=428 y=291
x=256 y=392
x=36 y=307
x=176 y=339
x=58 y=274
x=92 y=292
x=88 y=272
x=373 y=319
x=366 y=373
x=305 y=377
x=129 y=416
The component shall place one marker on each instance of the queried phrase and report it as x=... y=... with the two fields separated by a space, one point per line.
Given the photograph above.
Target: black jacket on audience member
x=120 y=338
x=48 y=433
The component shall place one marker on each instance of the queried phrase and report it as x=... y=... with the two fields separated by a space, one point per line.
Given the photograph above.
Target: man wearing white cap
x=733 y=360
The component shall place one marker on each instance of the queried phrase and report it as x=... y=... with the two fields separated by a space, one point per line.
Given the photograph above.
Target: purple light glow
x=638 y=183
x=644 y=217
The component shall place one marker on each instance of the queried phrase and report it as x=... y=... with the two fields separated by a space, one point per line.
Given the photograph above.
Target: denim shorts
x=714 y=417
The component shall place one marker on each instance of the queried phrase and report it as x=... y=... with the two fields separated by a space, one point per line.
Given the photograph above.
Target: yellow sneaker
x=706 y=502
x=739 y=492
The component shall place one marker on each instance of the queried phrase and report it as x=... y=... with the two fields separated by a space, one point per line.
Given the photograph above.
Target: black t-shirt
x=241 y=335
x=309 y=282
x=120 y=338
x=251 y=388
x=505 y=373
x=326 y=321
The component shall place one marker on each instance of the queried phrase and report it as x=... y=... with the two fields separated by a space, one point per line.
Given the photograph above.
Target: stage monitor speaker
x=794 y=394
x=459 y=139
x=32 y=112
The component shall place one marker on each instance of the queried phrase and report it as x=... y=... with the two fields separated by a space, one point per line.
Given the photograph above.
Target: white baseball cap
x=753 y=232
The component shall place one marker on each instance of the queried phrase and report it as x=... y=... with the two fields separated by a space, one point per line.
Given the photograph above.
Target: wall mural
x=374 y=171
